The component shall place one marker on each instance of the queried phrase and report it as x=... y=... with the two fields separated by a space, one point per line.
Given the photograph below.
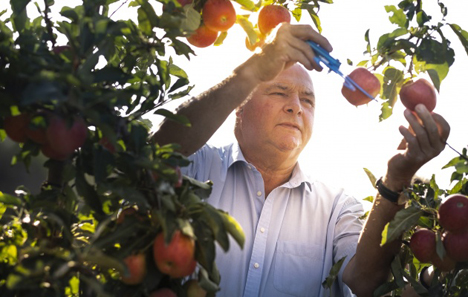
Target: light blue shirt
x=293 y=238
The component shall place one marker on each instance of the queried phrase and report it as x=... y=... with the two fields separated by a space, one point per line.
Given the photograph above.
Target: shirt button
x=259 y=193
x=262 y=230
x=256 y=265
x=250 y=167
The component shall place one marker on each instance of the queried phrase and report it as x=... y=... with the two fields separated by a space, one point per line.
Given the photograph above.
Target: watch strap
x=386 y=192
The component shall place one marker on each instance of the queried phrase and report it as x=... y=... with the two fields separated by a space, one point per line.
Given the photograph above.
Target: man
x=295 y=228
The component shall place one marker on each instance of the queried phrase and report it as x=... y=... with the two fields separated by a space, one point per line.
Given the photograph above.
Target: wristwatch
x=398 y=198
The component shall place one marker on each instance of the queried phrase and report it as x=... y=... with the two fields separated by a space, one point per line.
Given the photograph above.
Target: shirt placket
x=256 y=264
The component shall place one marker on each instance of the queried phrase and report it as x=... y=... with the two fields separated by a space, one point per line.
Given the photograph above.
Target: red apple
x=219 y=15
x=456 y=245
x=367 y=81
x=453 y=213
x=164 y=292
x=423 y=245
x=177 y=258
x=202 y=37
x=445 y=264
x=16 y=126
x=136 y=265
x=36 y=130
x=64 y=137
x=271 y=16
x=418 y=92
x=49 y=152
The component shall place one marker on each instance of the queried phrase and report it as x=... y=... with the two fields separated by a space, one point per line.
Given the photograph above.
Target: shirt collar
x=297 y=178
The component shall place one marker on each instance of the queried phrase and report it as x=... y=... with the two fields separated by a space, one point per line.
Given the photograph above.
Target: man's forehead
x=306 y=89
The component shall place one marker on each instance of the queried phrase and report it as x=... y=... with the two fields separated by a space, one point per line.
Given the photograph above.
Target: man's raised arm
x=208 y=111
x=370 y=267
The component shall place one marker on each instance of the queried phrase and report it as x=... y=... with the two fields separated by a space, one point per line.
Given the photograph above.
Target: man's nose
x=293 y=105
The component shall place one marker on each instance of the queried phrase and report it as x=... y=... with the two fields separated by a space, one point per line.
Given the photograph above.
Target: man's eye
x=308 y=101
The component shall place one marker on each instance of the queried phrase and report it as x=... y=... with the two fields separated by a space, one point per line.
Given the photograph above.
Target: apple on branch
x=176 y=259
x=423 y=245
x=219 y=15
x=367 y=81
x=136 y=266
x=202 y=37
x=418 y=92
x=453 y=213
x=163 y=292
x=271 y=16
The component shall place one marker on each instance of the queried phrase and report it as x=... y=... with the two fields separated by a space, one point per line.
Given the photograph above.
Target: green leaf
x=96 y=256
x=386 y=41
x=220 y=38
x=111 y=74
x=385 y=288
x=171 y=116
x=440 y=249
x=192 y=19
x=462 y=35
x=398 y=17
x=404 y=220
x=205 y=282
x=216 y=221
x=297 y=13
x=70 y=13
x=8 y=199
x=386 y=111
x=435 y=52
x=420 y=289
x=313 y=15
x=368 y=45
x=234 y=228
x=144 y=23
x=333 y=275
x=177 y=71
x=397 y=271
x=371 y=176
x=244 y=22
x=422 y=18
x=391 y=83
x=369 y=199
x=247 y=4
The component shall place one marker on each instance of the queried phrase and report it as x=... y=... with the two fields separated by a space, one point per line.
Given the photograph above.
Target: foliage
x=417 y=45
x=71 y=238
x=421 y=212
x=119 y=190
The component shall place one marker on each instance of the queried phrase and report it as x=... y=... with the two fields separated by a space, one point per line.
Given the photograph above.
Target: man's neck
x=275 y=170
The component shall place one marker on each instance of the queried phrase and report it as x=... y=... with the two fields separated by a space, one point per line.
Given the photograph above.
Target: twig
x=461 y=155
x=118 y=8
x=48 y=23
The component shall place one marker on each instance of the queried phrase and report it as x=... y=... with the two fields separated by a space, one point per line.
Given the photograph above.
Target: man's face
x=279 y=114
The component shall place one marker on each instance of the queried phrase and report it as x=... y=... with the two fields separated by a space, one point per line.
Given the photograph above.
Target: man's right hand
x=286 y=46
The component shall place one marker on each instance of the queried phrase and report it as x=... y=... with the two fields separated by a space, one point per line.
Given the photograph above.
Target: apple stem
x=461 y=155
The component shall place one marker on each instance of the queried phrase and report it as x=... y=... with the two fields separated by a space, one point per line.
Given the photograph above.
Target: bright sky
x=346 y=139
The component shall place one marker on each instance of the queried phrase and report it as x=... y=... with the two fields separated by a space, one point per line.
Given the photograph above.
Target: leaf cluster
x=417 y=45
x=120 y=189
x=421 y=212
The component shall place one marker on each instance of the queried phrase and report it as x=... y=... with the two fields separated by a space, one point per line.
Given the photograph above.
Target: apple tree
x=418 y=45
x=75 y=85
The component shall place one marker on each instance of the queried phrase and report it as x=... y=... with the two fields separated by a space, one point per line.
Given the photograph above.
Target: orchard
x=114 y=216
